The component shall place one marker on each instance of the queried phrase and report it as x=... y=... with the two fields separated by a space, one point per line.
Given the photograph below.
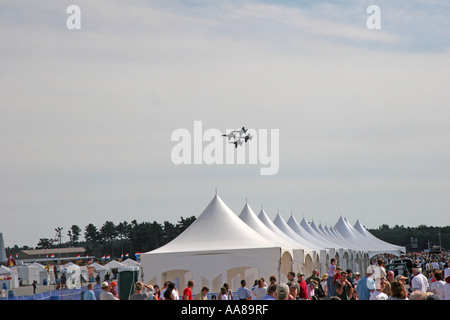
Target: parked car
x=399 y=269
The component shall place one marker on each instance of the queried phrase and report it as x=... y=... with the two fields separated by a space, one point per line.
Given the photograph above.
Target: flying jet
x=248 y=137
x=237 y=142
x=242 y=131
x=230 y=135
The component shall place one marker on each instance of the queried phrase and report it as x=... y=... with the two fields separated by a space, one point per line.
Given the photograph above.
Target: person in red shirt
x=337 y=275
x=187 y=293
x=303 y=294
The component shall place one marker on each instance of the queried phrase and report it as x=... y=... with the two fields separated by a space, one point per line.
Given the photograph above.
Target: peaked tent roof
x=316 y=232
x=130 y=263
x=269 y=224
x=316 y=235
x=5 y=270
x=361 y=229
x=336 y=238
x=40 y=266
x=283 y=226
x=292 y=222
x=249 y=217
x=97 y=266
x=114 y=264
x=217 y=228
x=359 y=240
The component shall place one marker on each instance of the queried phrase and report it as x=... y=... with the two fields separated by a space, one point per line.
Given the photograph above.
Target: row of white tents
x=44 y=275
x=220 y=246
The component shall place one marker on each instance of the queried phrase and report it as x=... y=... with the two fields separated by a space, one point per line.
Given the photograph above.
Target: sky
x=86 y=115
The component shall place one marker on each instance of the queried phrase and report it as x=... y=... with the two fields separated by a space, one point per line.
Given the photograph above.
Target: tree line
x=422 y=236
x=116 y=239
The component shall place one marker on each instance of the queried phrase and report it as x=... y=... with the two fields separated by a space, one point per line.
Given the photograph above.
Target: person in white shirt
x=447 y=284
x=419 y=282
x=379 y=272
x=260 y=291
x=106 y=295
x=437 y=287
x=378 y=294
x=223 y=294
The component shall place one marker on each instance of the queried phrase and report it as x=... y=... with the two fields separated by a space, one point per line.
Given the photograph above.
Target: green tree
x=74 y=234
x=43 y=243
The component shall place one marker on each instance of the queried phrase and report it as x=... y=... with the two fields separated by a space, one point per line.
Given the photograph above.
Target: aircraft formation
x=239 y=136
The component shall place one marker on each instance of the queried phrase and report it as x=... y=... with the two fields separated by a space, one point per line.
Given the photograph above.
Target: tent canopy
x=114 y=264
x=217 y=247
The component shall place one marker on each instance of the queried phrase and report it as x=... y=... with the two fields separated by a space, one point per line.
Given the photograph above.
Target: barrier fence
x=64 y=294
x=75 y=294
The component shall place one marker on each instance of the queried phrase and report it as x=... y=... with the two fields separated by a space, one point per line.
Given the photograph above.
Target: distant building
x=57 y=254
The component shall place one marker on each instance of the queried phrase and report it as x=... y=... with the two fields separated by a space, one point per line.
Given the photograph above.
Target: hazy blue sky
x=86 y=115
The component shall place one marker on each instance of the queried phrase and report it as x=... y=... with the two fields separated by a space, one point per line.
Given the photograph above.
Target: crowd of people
x=337 y=284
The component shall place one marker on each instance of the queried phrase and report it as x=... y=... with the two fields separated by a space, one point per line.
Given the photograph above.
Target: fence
x=76 y=294
x=66 y=294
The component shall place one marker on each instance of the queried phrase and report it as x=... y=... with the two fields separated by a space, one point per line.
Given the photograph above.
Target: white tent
x=322 y=250
x=298 y=253
x=13 y=281
x=217 y=247
x=130 y=263
x=28 y=273
x=73 y=275
x=44 y=275
x=114 y=264
x=100 y=270
x=352 y=235
x=361 y=229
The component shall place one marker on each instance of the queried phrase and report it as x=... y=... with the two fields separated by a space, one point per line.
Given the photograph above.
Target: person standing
x=271 y=293
x=311 y=288
x=34 y=284
x=447 y=283
x=378 y=294
x=282 y=291
x=202 y=295
x=243 y=292
x=229 y=291
x=89 y=294
x=366 y=285
x=140 y=294
x=260 y=290
x=379 y=272
x=106 y=295
x=344 y=288
x=113 y=289
x=398 y=291
x=323 y=283
x=314 y=276
x=223 y=294
x=331 y=291
x=437 y=287
x=303 y=293
x=419 y=282
x=291 y=280
x=187 y=293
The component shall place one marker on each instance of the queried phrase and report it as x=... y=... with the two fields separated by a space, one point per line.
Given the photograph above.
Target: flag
x=121 y=256
x=78 y=256
x=52 y=256
x=17 y=255
x=103 y=257
x=127 y=255
x=87 y=256
x=108 y=257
